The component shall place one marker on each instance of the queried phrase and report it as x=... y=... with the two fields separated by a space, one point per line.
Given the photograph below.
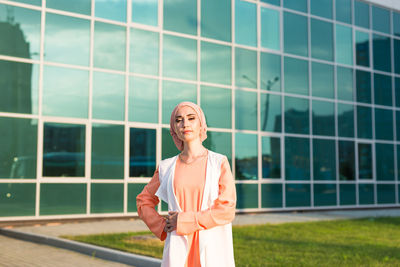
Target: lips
x=186 y=132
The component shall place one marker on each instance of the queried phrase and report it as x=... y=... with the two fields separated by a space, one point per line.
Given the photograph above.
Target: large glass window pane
x=180 y=16
x=30 y=2
x=364 y=161
x=271 y=113
x=323 y=118
x=245 y=110
x=322 y=8
x=271 y=196
x=396 y=23
x=217 y=105
x=298 y=195
x=346 y=160
x=295 y=32
x=325 y=195
x=398 y=164
x=270 y=72
x=108 y=96
x=179 y=57
x=173 y=93
x=362 y=45
x=364 y=122
x=168 y=148
x=246 y=160
x=245 y=68
x=321 y=39
x=144 y=52
x=271 y=157
x=62 y=199
x=106 y=198
x=142 y=152
x=18 y=144
x=270 y=29
x=397 y=91
x=343 y=11
x=145 y=12
x=344 y=83
x=113 y=10
x=361 y=14
x=216 y=19
x=383 y=124
x=143 y=99
x=65 y=92
x=380 y=19
x=363 y=86
x=384 y=162
x=296 y=76
x=296 y=115
x=396 y=56
x=297 y=158
x=17 y=199
x=109 y=46
x=133 y=191
x=299 y=5
x=19 y=83
x=107 y=151
x=381 y=53
x=247 y=196
x=245 y=23
x=366 y=194
x=398 y=125
x=386 y=193
x=77 y=6
x=323 y=84
x=22 y=34
x=345 y=117
x=382 y=89
x=344 y=45
x=216 y=62
x=324 y=159
x=347 y=194
x=64 y=150
x=219 y=142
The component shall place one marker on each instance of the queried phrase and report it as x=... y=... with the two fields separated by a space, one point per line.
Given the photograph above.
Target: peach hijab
x=199 y=112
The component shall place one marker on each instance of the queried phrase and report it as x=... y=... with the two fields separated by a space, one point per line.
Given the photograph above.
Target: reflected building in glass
x=302 y=96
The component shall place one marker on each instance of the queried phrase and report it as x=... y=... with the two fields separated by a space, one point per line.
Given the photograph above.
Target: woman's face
x=187 y=124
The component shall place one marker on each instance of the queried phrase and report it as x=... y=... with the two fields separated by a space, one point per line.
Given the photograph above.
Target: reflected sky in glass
x=143 y=99
x=344 y=45
x=343 y=11
x=271 y=157
x=297 y=158
x=363 y=86
x=216 y=19
x=321 y=40
x=361 y=14
x=323 y=116
x=296 y=76
x=76 y=6
x=382 y=89
x=216 y=63
x=110 y=9
x=245 y=23
x=245 y=110
x=216 y=104
x=173 y=93
x=271 y=113
x=145 y=12
x=345 y=114
x=246 y=156
x=299 y=5
x=324 y=159
x=295 y=32
x=383 y=124
x=344 y=83
x=364 y=122
x=381 y=53
x=322 y=8
x=384 y=162
x=362 y=48
x=270 y=72
x=180 y=16
x=364 y=161
x=322 y=80
x=245 y=68
x=270 y=31
x=346 y=160
x=380 y=19
x=296 y=115
x=144 y=52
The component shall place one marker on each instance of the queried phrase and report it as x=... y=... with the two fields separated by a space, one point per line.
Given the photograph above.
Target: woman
x=200 y=191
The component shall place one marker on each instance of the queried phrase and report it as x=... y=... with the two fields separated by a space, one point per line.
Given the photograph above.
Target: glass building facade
x=303 y=96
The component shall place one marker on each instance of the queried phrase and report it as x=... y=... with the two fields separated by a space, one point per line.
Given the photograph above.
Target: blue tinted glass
x=220 y=142
x=345 y=118
x=246 y=156
x=77 y=6
x=271 y=157
x=323 y=84
x=324 y=194
x=398 y=164
x=323 y=118
x=344 y=83
x=324 y=159
x=380 y=19
x=247 y=196
x=299 y=5
x=31 y=2
x=173 y=93
x=382 y=89
x=216 y=19
x=396 y=23
x=384 y=161
x=216 y=63
x=142 y=152
x=245 y=110
x=270 y=30
x=143 y=100
x=381 y=53
x=296 y=76
x=217 y=106
x=106 y=198
x=295 y=32
x=296 y=115
x=364 y=122
x=366 y=194
x=271 y=113
x=180 y=16
x=397 y=91
x=297 y=158
x=343 y=11
x=245 y=68
x=321 y=40
x=383 y=124
x=346 y=160
x=361 y=14
x=348 y=194
x=398 y=125
x=396 y=56
x=18 y=199
x=111 y=9
x=298 y=195
x=272 y=2
x=145 y=12
x=362 y=48
x=386 y=193
x=270 y=72
x=322 y=8
x=144 y=51
x=245 y=23
x=344 y=45
x=363 y=86
x=271 y=195
x=365 y=161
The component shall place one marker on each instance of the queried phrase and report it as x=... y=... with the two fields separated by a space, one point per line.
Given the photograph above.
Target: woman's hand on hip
x=171 y=221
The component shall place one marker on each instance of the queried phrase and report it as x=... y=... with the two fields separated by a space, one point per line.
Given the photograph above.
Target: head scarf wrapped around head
x=203 y=126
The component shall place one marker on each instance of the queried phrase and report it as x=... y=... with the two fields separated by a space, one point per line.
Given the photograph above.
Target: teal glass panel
x=382 y=89
x=19 y=83
x=324 y=159
x=67 y=40
x=345 y=118
x=246 y=157
x=322 y=8
x=173 y=93
x=344 y=45
x=343 y=11
x=398 y=164
x=143 y=99
x=322 y=39
x=382 y=53
x=64 y=150
x=295 y=34
x=270 y=29
x=180 y=57
x=216 y=63
x=363 y=86
x=107 y=151
x=106 y=198
x=344 y=83
x=297 y=158
x=76 y=6
x=346 y=160
x=247 y=196
x=270 y=72
x=30 y=2
x=383 y=124
x=272 y=2
x=219 y=142
x=133 y=191
x=271 y=113
x=65 y=92
x=271 y=157
x=347 y=194
x=384 y=161
x=366 y=194
x=217 y=106
x=109 y=46
x=296 y=115
x=142 y=152
x=361 y=14
x=145 y=12
x=365 y=161
x=323 y=84
x=245 y=68
x=398 y=125
x=325 y=195
x=168 y=148
x=143 y=56
x=296 y=76
x=323 y=118
x=113 y=10
x=108 y=96
x=164 y=206
x=216 y=19
x=271 y=196
x=299 y=5
x=396 y=23
x=362 y=45
x=397 y=91
x=380 y=19
x=180 y=16
x=298 y=195
x=386 y=193
x=17 y=199
x=245 y=23
x=245 y=110
x=57 y=199
x=22 y=32
x=18 y=144
x=396 y=56
x=364 y=122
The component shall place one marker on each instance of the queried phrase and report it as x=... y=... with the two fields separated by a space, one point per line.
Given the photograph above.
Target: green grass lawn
x=362 y=242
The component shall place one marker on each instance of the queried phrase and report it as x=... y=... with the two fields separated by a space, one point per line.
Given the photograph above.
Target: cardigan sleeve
x=146 y=203
x=221 y=212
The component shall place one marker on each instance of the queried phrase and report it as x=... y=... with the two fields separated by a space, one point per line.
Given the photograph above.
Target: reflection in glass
x=113 y=10
x=380 y=19
x=325 y=195
x=245 y=110
x=361 y=14
x=271 y=157
x=346 y=160
x=107 y=151
x=271 y=112
x=270 y=30
x=21 y=199
x=396 y=56
x=396 y=23
x=142 y=152
x=271 y=195
x=363 y=86
x=296 y=76
x=364 y=122
x=145 y=12
x=384 y=162
x=397 y=91
x=343 y=11
x=398 y=125
x=398 y=163
x=321 y=39
x=344 y=45
x=76 y=6
x=62 y=199
x=323 y=84
x=134 y=189
x=324 y=159
x=323 y=116
x=297 y=158
x=216 y=61
x=144 y=52
x=362 y=48
x=383 y=124
x=247 y=196
x=179 y=57
x=173 y=93
x=106 y=198
x=270 y=72
x=30 y=2
x=322 y=8
x=295 y=32
x=296 y=115
x=299 y=5
x=143 y=99
x=216 y=19
x=245 y=68
x=344 y=83
x=347 y=194
x=382 y=89
x=298 y=195
x=219 y=142
x=245 y=23
x=168 y=148
x=217 y=107
x=180 y=16
x=364 y=161
x=345 y=118
x=381 y=53
x=64 y=150
x=386 y=193
x=366 y=194
x=246 y=156
x=275 y=3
